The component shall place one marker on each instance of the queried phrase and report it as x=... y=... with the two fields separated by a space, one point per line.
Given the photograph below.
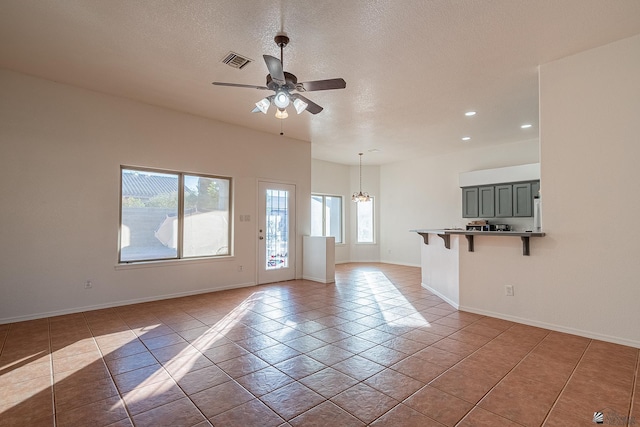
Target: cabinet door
x=535 y=189
x=504 y=201
x=522 y=200
x=470 y=202
x=486 y=195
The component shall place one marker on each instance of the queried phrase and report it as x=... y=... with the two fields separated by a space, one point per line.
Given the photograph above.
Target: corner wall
x=583 y=276
x=61 y=149
x=342 y=180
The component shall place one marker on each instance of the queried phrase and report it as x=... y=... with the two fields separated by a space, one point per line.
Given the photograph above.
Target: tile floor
x=373 y=349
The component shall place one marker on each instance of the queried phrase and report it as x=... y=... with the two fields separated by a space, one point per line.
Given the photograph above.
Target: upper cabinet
x=499 y=201
x=487 y=200
x=470 y=202
x=504 y=201
x=522 y=199
x=500 y=193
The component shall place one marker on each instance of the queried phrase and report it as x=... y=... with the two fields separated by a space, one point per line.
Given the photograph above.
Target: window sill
x=170 y=262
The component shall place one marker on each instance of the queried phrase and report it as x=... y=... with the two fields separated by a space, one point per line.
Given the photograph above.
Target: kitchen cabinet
x=486 y=202
x=470 y=202
x=535 y=189
x=522 y=200
x=504 y=201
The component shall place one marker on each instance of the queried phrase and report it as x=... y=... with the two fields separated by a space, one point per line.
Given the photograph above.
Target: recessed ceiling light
x=470 y=113
x=527 y=126
x=466 y=138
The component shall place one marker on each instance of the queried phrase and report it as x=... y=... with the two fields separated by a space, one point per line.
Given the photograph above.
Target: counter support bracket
x=525 y=245
x=447 y=240
x=425 y=237
x=469 y=242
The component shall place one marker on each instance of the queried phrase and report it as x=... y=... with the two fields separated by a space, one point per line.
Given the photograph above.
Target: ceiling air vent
x=235 y=60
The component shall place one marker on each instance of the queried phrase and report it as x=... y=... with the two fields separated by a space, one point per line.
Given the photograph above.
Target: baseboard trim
x=406 y=264
x=554 y=327
x=317 y=279
x=120 y=303
x=446 y=299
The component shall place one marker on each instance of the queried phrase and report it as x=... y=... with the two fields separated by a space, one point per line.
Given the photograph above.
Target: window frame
x=373 y=224
x=180 y=217
x=324 y=219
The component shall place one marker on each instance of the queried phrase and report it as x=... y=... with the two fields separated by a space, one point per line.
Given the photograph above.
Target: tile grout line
x=332 y=305
x=564 y=387
x=4 y=339
x=327 y=366
x=174 y=380
x=446 y=370
x=634 y=388
x=104 y=363
x=411 y=355
x=476 y=405
x=51 y=377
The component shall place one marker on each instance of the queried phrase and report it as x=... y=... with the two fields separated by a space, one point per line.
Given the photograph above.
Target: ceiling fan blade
x=312 y=107
x=240 y=85
x=275 y=69
x=321 y=85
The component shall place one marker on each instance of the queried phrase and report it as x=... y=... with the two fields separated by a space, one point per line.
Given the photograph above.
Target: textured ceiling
x=412 y=67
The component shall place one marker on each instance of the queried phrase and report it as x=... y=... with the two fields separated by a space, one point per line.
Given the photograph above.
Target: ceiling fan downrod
x=282 y=41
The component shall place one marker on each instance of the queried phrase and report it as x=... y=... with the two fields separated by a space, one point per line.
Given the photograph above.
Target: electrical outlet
x=239 y=269
x=508 y=290
x=88 y=284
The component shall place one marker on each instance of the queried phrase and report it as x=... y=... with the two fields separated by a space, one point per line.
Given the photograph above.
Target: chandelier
x=360 y=196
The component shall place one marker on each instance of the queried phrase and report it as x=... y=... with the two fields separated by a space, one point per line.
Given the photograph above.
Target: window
x=326 y=216
x=172 y=215
x=364 y=221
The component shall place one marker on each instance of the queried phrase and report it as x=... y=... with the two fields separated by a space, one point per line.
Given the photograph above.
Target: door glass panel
x=277 y=230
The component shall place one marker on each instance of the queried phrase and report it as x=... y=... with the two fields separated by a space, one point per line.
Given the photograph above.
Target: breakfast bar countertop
x=445 y=234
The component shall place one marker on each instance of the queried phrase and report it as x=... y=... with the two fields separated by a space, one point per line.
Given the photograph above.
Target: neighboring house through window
x=172 y=215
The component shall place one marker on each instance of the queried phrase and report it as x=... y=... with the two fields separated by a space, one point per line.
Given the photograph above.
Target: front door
x=276 y=232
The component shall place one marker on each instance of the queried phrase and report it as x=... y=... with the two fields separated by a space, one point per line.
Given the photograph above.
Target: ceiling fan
x=285 y=85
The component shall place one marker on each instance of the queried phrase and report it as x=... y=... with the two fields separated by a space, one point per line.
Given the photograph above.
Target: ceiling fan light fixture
x=282 y=99
x=263 y=105
x=300 y=105
x=281 y=113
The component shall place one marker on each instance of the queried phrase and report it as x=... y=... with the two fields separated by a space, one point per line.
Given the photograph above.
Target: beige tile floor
x=372 y=349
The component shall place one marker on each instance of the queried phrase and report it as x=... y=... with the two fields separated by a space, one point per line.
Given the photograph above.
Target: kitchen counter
x=445 y=234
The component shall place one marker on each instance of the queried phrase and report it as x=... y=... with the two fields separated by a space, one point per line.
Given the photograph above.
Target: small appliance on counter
x=502 y=227
x=479 y=225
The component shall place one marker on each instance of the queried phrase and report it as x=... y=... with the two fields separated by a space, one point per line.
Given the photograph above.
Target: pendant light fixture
x=360 y=196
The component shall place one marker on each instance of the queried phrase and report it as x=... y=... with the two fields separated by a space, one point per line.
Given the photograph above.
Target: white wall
x=425 y=193
x=334 y=179
x=60 y=154
x=583 y=277
x=343 y=180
